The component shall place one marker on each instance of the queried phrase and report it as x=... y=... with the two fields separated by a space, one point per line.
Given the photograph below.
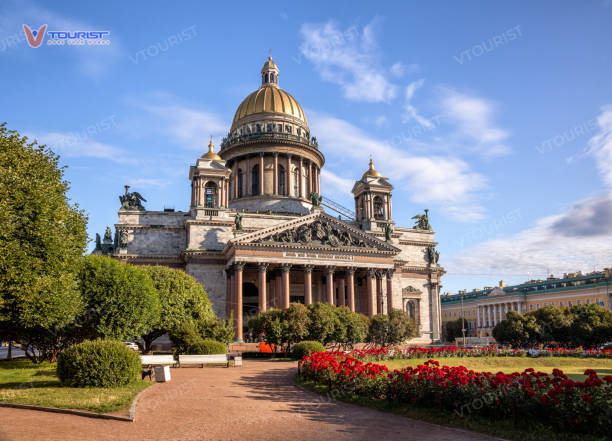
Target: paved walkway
x=256 y=402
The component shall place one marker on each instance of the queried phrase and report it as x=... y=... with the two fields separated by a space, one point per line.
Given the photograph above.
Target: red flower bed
x=486 y=351
x=554 y=400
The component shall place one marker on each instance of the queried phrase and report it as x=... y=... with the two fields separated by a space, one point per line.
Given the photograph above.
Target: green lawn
x=23 y=382
x=573 y=367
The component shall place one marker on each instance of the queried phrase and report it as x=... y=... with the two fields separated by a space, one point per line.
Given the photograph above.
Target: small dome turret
x=211 y=152
x=371 y=172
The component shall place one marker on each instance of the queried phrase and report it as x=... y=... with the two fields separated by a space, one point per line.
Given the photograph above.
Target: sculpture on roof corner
x=108 y=235
x=98 y=242
x=131 y=200
x=316 y=199
x=422 y=221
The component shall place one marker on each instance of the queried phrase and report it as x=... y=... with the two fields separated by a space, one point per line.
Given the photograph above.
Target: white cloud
x=441 y=180
x=555 y=244
x=399 y=69
x=147 y=182
x=91 y=60
x=335 y=184
x=410 y=112
x=188 y=127
x=600 y=145
x=74 y=145
x=349 y=58
x=473 y=119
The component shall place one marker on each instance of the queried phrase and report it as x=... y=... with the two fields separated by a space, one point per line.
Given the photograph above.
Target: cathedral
x=257 y=234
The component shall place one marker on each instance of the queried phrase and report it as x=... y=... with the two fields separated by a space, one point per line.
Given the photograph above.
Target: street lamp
x=462 y=322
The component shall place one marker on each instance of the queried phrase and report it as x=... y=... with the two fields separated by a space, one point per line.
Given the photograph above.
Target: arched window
x=281 y=180
x=210 y=194
x=255 y=180
x=240 y=183
x=379 y=211
x=266 y=79
x=296 y=182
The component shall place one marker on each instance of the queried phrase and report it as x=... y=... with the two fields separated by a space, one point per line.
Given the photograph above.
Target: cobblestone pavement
x=256 y=402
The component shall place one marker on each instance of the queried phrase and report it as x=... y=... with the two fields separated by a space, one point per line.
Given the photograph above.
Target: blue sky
x=497 y=116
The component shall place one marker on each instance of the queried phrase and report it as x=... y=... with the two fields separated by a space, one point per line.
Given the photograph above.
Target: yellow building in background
x=483 y=309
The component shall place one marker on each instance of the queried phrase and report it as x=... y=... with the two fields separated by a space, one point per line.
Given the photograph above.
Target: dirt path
x=256 y=402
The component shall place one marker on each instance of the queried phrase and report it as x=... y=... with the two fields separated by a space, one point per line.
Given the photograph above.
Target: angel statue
x=316 y=199
x=388 y=230
x=238 y=221
x=131 y=200
x=433 y=255
x=422 y=221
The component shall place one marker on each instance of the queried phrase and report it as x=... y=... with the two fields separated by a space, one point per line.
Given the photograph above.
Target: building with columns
x=257 y=235
x=483 y=309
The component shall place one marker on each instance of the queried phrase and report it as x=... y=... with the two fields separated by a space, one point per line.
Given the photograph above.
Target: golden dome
x=211 y=152
x=371 y=172
x=269 y=99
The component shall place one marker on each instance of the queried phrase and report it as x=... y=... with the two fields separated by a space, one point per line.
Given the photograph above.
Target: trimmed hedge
x=206 y=347
x=306 y=348
x=98 y=363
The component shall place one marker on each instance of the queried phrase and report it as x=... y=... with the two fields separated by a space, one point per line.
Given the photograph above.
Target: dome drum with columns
x=275 y=163
x=257 y=234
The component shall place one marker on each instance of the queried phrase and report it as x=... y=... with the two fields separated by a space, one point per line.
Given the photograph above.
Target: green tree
x=270 y=326
x=517 y=330
x=591 y=325
x=297 y=323
x=121 y=301
x=42 y=237
x=356 y=328
x=554 y=325
x=401 y=326
x=181 y=298
x=452 y=329
x=324 y=323
x=390 y=329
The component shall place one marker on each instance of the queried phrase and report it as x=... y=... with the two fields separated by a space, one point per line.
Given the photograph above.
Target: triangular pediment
x=317 y=230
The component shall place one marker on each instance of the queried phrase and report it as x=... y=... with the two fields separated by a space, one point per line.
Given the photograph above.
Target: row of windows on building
x=560 y=304
x=255 y=128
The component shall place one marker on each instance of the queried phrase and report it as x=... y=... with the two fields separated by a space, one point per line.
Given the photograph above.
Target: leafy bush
x=392 y=328
x=181 y=298
x=206 y=347
x=121 y=301
x=98 y=363
x=191 y=333
x=306 y=348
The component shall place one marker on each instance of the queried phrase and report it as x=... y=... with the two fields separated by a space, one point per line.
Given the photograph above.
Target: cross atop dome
x=269 y=73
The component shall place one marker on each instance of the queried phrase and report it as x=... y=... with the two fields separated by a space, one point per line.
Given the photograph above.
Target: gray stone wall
x=213 y=278
x=147 y=241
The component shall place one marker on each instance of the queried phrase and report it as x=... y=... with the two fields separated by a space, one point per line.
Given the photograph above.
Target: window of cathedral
x=270 y=128
x=258 y=128
x=240 y=183
x=379 y=210
x=255 y=179
x=248 y=130
x=281 y=180
x=288 y=128
x=210 y=193
x=280 y=128
x=266 y=78
x=298 y=132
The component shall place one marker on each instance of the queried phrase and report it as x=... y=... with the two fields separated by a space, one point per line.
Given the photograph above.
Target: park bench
x=157 y=360
x=186 y=360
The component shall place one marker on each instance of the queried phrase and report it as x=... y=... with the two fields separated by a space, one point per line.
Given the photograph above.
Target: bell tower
x=209 y=183
x=373 y=200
